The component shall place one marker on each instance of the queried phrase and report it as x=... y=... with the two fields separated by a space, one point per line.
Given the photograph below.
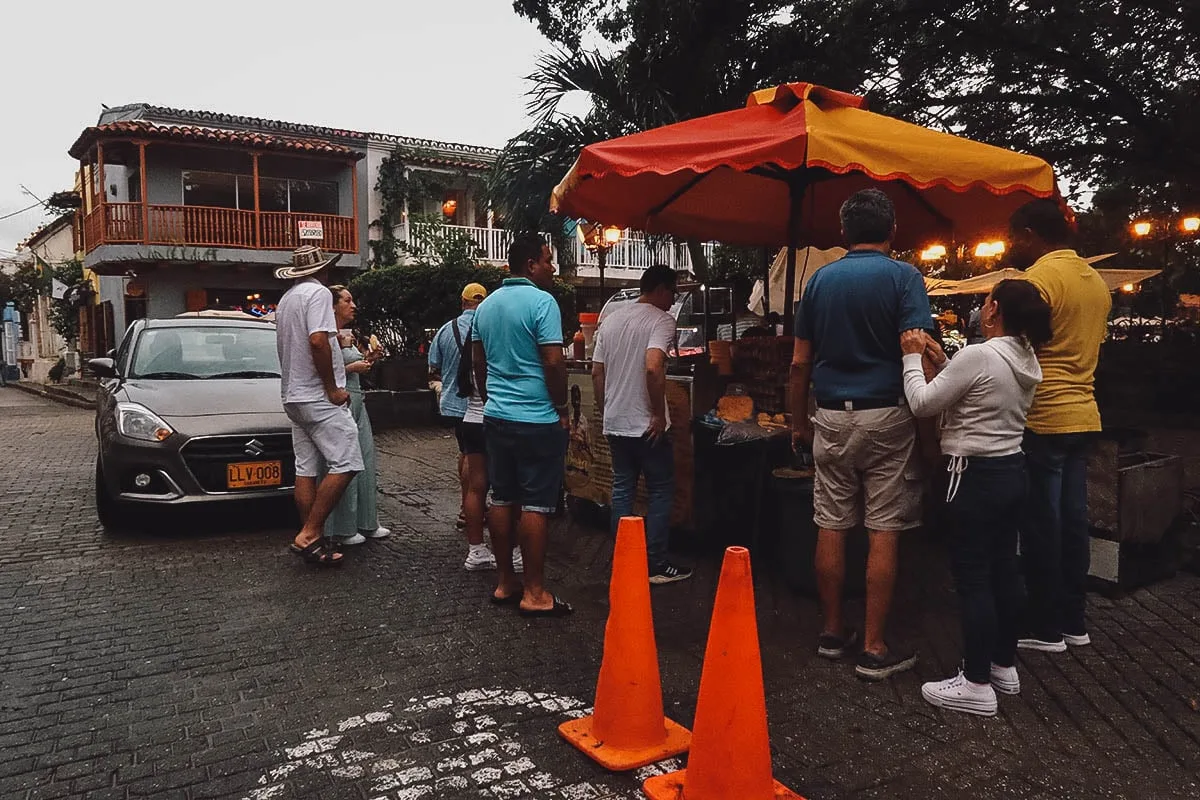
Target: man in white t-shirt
x=313 y=390
x=629 y=375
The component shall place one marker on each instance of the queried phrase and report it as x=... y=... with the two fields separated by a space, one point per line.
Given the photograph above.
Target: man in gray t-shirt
x=629 y=375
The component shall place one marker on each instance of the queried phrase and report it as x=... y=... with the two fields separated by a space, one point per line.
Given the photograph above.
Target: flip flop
x=511 y=600
x=559 y=609
x=298 y=550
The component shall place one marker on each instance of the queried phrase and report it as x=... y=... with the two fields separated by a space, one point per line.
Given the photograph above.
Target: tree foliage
x=401 y=304
x=664 y=61
x=1104 y=90
x=404 y=186
x=64 y=314
x=20 y=288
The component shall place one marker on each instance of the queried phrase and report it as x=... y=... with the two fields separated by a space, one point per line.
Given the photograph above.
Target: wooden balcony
x=200 y=226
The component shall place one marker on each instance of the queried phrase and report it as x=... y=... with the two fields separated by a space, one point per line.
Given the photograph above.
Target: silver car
x=189 y=412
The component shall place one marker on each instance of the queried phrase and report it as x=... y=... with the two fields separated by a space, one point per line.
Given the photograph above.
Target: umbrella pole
x=766 y=277
x=789 y=289
x=795 y=195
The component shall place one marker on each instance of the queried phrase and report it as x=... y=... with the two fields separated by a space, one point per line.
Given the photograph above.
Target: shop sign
x=313 y=229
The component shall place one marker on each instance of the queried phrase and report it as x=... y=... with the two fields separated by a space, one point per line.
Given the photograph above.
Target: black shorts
x=526 y=463
x=471 y=441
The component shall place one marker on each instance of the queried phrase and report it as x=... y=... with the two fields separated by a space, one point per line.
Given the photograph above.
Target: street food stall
x=691 y=384
x=774 y=174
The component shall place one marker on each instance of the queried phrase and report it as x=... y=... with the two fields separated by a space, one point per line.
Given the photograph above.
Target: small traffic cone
x=627 y=729
x=731 y=756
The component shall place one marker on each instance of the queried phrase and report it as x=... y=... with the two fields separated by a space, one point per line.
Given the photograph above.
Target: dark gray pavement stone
x=202 y=660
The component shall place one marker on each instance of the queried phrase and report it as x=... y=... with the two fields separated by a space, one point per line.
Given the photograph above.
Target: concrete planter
x=402 y=374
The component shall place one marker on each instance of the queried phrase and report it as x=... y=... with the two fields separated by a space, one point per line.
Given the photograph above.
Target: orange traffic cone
x=730 y=757
x=627 y=729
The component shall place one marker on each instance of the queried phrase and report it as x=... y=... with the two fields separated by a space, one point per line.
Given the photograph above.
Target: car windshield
x=206 y=351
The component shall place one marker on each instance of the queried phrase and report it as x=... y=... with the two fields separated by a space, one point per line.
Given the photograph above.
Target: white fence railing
x=630 y=256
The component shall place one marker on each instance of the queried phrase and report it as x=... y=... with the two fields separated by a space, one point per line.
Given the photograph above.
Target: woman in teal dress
x=355 y=518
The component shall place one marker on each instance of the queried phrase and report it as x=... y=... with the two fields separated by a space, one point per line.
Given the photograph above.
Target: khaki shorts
x=868 y=470
x=325 y=438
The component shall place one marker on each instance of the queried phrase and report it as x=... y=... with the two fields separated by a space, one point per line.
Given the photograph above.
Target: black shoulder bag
x=466 y=382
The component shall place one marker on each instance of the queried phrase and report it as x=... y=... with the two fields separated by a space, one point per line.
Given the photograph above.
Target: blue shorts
x=525 y=463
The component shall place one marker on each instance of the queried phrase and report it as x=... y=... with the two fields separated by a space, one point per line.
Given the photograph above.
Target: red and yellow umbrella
x=776 y=172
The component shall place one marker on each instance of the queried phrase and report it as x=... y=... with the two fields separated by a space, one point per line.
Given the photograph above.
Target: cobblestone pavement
x=204 y=661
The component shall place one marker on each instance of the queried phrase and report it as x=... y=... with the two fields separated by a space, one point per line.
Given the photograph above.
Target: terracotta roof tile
x=195 y=133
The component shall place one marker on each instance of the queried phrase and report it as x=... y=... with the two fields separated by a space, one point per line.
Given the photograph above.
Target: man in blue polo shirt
x=848 y=327
x=519 y=364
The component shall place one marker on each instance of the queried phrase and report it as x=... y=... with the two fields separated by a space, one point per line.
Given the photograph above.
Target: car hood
x=230 y=405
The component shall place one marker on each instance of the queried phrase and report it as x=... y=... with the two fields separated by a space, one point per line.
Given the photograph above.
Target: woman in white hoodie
x=984 y=393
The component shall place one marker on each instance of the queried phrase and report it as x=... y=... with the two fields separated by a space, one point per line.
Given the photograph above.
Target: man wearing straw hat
x=313 y=390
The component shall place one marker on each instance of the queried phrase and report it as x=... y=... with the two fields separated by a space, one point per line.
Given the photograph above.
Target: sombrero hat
x=306 y=260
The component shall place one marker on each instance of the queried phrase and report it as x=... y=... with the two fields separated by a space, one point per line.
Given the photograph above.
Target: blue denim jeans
x=633 y=456
x=1055 y=543
x=983 y=547
x=526 y=461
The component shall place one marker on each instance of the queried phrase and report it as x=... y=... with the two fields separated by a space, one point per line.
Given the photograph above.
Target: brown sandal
x=321 y=552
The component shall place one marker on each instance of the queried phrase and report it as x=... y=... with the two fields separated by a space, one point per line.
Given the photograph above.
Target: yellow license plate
x=249 y=474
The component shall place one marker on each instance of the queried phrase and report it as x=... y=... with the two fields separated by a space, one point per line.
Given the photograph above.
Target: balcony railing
x=630 y=256
x=202 y=226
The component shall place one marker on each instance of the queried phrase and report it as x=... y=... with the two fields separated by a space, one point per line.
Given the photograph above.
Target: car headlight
x=138 y=422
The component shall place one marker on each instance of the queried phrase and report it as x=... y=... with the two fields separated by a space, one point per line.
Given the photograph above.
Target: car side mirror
x=103 y=368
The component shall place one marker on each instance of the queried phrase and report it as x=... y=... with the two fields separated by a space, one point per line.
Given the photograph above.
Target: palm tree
x=677 y=60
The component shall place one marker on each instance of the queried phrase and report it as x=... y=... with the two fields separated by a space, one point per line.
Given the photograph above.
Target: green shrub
x=403 y=304
x=58 y=370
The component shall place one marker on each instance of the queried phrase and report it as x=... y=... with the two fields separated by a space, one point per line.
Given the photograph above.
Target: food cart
x=799 y=152
x=691 y=385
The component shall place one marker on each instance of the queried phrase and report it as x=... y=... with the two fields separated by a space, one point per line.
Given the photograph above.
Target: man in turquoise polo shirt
x=518 y=361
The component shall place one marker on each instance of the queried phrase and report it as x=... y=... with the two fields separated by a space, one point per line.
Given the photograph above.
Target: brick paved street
x=205 y=661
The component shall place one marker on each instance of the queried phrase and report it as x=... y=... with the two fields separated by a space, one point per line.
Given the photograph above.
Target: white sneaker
x=379 y=533
x=347 y=541
x=1005 y=679
x=959 y=694
x=479 y=558
x=1083 y=640
x=1042 y=645
x=518 y=560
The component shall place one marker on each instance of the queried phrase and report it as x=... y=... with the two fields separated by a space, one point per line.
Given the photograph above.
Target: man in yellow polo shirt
x=1055 y=545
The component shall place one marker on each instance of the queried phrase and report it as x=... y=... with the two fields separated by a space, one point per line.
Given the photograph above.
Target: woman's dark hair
x=1026 y=314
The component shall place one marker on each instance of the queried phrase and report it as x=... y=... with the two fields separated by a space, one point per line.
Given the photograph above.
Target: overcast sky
x=441 y=69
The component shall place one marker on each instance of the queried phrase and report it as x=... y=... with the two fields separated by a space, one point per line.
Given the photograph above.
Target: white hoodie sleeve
x=950 y=385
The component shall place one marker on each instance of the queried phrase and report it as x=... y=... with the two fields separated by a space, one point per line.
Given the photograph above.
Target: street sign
x=313 y=229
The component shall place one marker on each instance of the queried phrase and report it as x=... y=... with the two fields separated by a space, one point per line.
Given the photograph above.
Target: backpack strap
x=458 y=336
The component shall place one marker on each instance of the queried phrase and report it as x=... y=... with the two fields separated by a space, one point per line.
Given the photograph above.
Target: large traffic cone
x=627 y=729
x=730 y=757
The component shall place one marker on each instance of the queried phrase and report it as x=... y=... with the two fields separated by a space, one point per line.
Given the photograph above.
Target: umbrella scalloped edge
x=575 y=178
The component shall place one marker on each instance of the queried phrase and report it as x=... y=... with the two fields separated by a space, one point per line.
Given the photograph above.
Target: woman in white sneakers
x=984 y=393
